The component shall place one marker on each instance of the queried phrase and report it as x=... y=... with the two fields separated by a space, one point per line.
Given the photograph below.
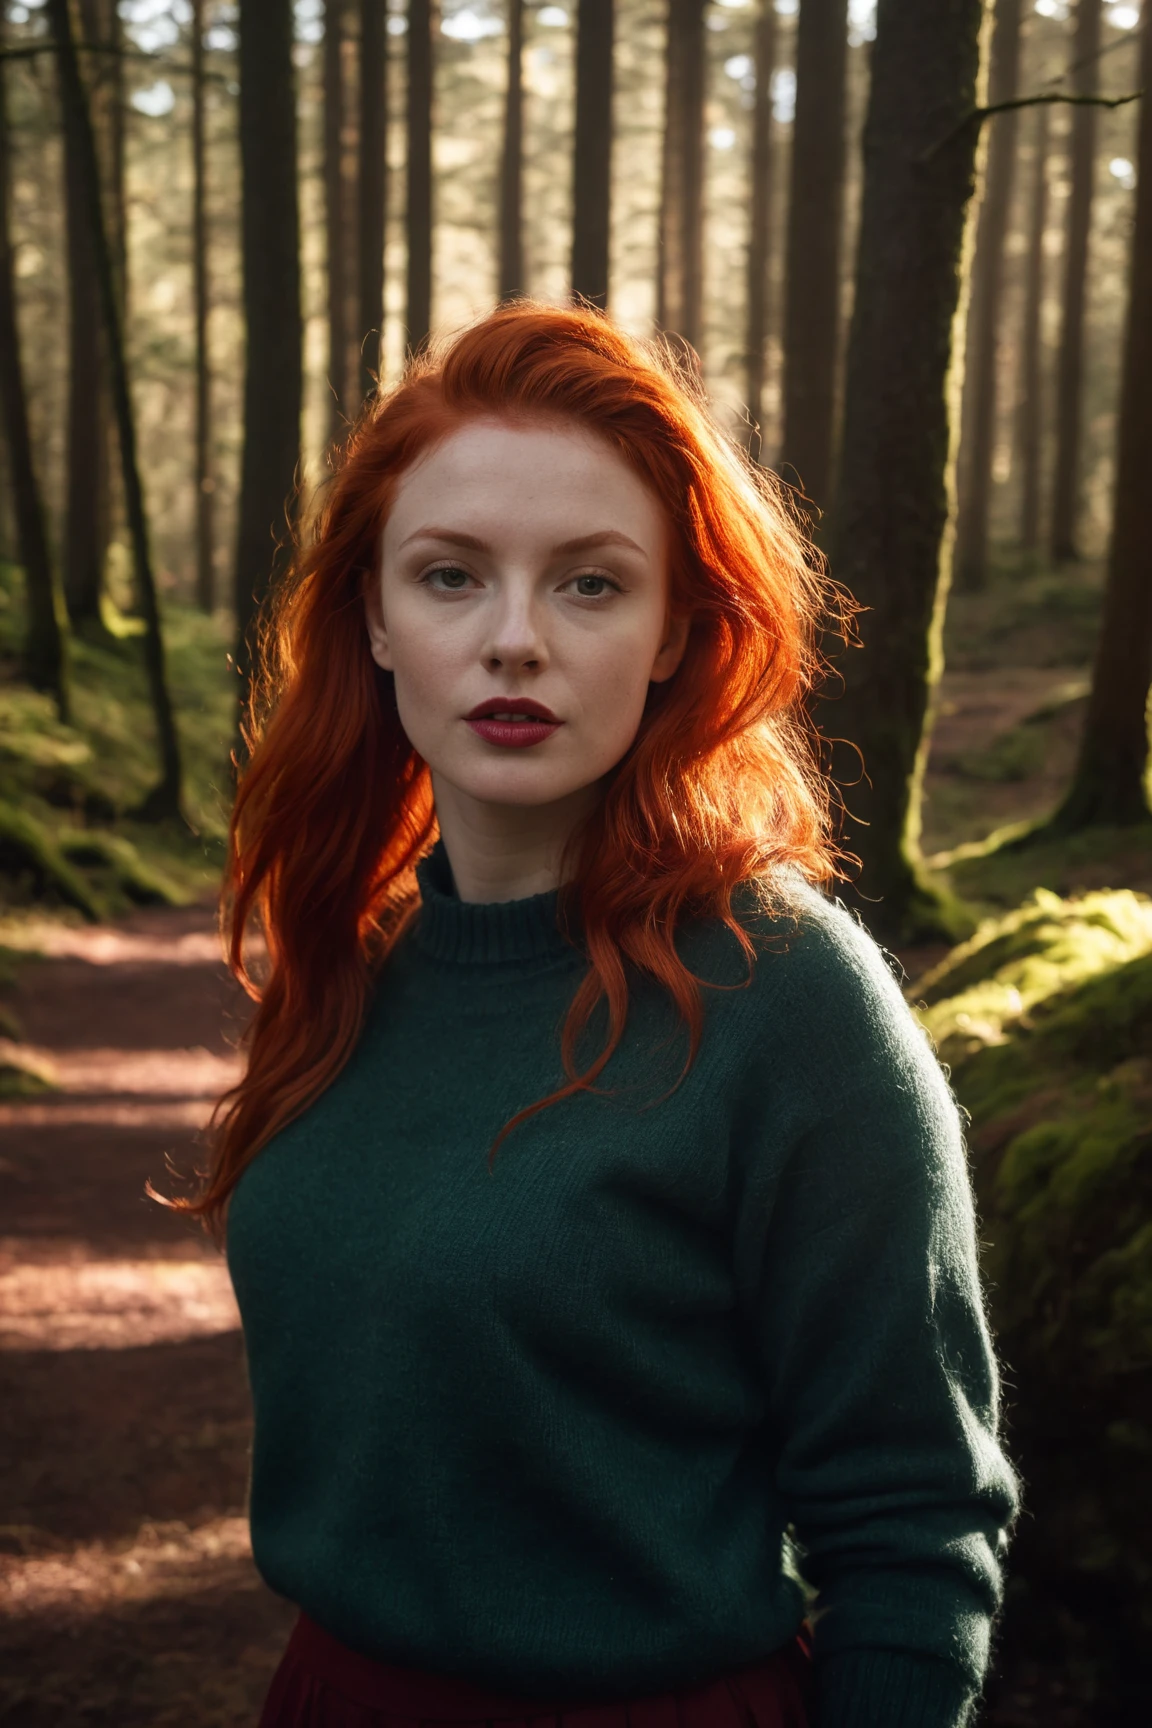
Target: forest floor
x=129 y=1592
x=130 y=1596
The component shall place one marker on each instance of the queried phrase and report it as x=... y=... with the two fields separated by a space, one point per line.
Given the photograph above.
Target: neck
x=504 y=852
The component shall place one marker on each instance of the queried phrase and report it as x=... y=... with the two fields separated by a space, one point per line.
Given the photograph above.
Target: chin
x=523 y=785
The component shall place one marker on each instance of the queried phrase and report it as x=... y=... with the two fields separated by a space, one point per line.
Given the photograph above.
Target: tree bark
x=205 y=482
x=1070 y=367
x=335 y=214
x=46 y=636
x=372 y=188
x=510 y=274
x=592 y=167
x=1030 y=417
x=86 y=509
x=117 y=179
x=757 y=294
x=270 y=247
x=421 y=39
x=1109 y=785
x=890 y=545
x=978 y=420
x=815 y=230
x=165 y=797
x=680 y=283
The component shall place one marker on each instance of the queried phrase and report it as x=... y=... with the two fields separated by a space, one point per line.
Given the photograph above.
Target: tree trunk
x=978 y=420
x=815 y=230
x=270 y=246
x=372 y=188
x=205 y=483
x=1109 y=785
x=890 y=545
x=117 y=180
x=421 y=37
x=760 y=223
x=165 y=797
x=86 y=509
x=680 y=283
x=592 y=171
x=1030 y=421
x=335 y=214
x=46 y=637
x=511 y=280
x=1070 y=368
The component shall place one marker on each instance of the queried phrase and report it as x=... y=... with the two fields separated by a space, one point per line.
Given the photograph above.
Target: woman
x=598 y=1214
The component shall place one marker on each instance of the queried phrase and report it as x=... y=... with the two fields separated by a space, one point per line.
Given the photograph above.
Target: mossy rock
x=1046 y=1019
x=1028 y=960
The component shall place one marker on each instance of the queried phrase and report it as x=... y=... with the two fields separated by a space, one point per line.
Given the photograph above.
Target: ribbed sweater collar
x=474 y=933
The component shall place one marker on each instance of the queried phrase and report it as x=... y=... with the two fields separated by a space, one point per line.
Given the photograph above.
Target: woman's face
x=523 y=608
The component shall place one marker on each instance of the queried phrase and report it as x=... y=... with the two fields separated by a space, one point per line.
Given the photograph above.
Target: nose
x=515 y=641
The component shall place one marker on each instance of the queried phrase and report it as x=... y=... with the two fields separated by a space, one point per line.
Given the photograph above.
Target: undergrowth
x=67 y=838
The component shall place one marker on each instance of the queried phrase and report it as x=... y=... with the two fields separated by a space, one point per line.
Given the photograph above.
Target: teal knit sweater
x=578 y=1426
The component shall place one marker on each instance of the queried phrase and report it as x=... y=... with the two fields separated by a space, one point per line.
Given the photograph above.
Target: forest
x=908 y=247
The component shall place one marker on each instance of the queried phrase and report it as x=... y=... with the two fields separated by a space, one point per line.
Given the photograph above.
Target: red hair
x=334 y=808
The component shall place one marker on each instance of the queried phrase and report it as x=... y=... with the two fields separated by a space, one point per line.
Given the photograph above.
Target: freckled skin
x=483 y=593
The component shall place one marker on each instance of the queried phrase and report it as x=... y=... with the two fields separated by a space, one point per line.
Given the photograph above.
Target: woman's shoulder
x=821 y=985
x=805 y=938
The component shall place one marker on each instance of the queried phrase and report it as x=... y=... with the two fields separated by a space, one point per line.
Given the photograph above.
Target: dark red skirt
x=320 y=1683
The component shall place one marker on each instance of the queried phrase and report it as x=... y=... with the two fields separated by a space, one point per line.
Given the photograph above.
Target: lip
x=512 y=705
x=539 y=722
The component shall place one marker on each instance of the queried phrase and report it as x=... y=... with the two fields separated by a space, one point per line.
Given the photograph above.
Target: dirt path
x=128 y=1591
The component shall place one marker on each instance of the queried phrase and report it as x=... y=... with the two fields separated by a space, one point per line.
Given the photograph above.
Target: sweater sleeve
x=883 y=1388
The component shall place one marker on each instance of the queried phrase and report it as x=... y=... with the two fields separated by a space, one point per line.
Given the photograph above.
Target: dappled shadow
x=197 y=1656
x=94 y=1441
x=138 y=1025
x=125 y=1426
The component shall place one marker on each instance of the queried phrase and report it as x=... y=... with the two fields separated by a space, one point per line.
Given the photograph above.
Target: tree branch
x=28 y=50
x=977 y=116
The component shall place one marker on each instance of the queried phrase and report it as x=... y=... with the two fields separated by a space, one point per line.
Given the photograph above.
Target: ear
x=671 y=650
x=377 y=628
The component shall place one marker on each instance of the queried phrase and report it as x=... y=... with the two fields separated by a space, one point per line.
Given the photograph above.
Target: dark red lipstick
x=513 y=721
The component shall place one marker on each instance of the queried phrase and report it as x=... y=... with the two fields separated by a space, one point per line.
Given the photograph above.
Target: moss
x=1032 y=957
x=997 y=873
x=1046 y=1019
x=19 y=1079
x=114 y=864
x=35 y=868
x=73 y=784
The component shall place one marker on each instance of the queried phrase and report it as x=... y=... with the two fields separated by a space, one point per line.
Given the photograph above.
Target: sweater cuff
x=890 y=1689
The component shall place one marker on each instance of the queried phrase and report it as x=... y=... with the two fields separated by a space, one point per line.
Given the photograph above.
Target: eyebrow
x=582 y=543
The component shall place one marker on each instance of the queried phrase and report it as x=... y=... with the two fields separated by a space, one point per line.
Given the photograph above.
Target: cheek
x=423 y=670
x=615 y=688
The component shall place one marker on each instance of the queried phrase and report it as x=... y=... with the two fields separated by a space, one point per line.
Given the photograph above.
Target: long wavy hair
x=721 y=786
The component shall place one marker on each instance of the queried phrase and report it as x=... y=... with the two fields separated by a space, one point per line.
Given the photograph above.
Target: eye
x=592 y=587
x=448 y=578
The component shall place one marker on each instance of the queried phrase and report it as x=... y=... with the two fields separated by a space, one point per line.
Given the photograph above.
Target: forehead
x=559 y=477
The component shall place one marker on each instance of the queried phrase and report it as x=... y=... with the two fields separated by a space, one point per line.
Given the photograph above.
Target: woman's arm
x=883 y=1386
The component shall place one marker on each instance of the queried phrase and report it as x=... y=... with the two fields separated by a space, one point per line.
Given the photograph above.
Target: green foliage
x=999 y=872
x=65 y=839
x=35 y=867
x=23 y=1078
x=1046 y=1018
